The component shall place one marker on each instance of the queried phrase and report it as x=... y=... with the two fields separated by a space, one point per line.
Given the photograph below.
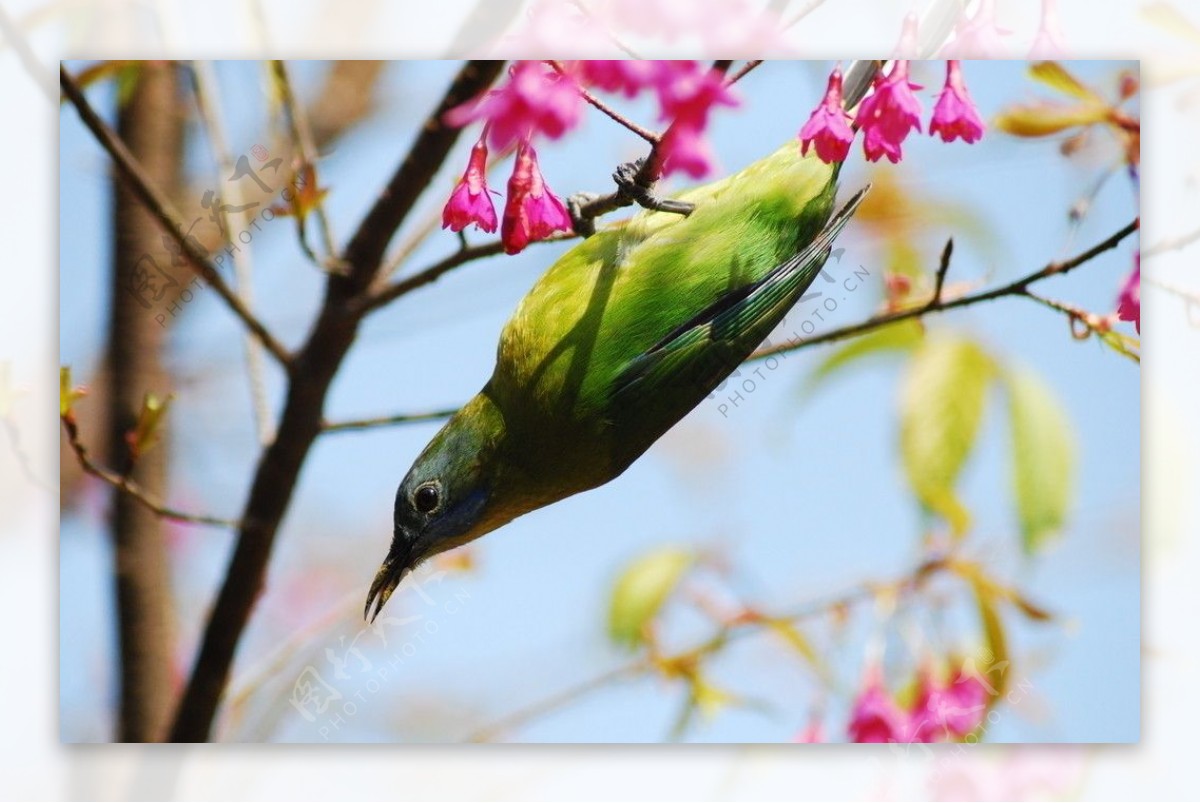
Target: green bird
x=615 y=343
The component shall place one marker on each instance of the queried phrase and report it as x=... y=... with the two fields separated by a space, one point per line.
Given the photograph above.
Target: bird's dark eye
x=427 y=498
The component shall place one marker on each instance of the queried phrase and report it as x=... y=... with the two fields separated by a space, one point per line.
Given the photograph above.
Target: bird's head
x=446 y=499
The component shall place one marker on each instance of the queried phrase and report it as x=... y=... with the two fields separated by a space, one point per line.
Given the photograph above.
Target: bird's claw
x=584 y=225
x=630 y=186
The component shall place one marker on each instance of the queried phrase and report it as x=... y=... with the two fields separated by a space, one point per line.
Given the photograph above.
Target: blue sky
x=806 y=497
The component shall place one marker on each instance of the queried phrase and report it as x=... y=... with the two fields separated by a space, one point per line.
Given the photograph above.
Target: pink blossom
x=1129 y=302
x=889 y=113
x=628 y=76
x=470 y=202
x=965 y=700
x=535 y=100
x=688 y=91
x=978 y=37
x=955 y=115
x=875 y=717
x=909 y=46
x=1048 y=44
x=828 y=129
x=532 y=211
x=685 y=150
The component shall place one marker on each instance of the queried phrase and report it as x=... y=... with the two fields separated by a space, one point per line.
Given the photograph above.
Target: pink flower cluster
x=940 y=710
x=544 y=100
x=888 y=115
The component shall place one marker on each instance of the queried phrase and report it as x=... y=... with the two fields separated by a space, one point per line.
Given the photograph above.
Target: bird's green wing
x=692 y=359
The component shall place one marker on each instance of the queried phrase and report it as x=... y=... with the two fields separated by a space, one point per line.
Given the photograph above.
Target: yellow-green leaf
x=67 y=395
x=641 y=590
x=996 y=670
x=1044 y=119
x=942 y=400
x=1043 y=449
x=147 y=432
x=1123 y=344
x=897 y=337
x=1056 y=76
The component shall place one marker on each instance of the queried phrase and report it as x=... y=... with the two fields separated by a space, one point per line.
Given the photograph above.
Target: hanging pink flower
x=688 y=91
x=888 y=114
x=471 y=202
x=964 y=700
x=875 y=718
x=535 y=100
x=955 y=115
x=978 y=36
x=828 y=129
x=908 y=47
x=1048 y=44
x=1129 y=302
x=685 y=150
x=531 y=212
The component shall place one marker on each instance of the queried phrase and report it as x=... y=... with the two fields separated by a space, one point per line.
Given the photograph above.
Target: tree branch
x=386 y=421
x=435 y=271
x=167 y=217
x=129 y=487
x=313 y=370
x=1015 y=288
x=365 y=249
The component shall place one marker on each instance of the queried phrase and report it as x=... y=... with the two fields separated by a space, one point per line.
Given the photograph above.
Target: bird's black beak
x=396 y=566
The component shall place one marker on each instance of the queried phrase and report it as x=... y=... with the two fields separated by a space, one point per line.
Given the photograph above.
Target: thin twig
x=168 y=218
x=743 y=71
x=650 y=136
x=728 y=632
x=386 y=420
x=943 y=269
x=208 y=102
x=812 y=6
x=608 y=34
x=1172 y=244
x=131 y=488
x=558 y=700
x=1015 y=288
x=431 y=274
x=303 y=142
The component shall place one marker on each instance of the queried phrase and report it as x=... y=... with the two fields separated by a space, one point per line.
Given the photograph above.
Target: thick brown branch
x=159 y=206
x=313 y=369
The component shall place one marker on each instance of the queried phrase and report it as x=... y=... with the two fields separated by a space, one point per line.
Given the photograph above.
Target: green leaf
x=147 y=432
x=641 y=590
x=1056 y=76
x=1123 y=344
x=995 y=665
x=1044 y=119
x=897 y=337
x=942 y=399
x=67 y=395
x=1043 y=458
